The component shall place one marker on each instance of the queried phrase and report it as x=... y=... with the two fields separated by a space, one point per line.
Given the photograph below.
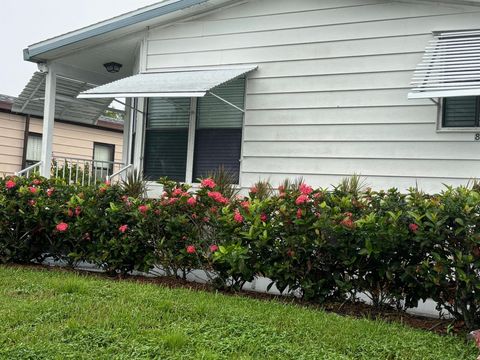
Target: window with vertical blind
x=461 y=112
x=166 y=138
x=34 y=149
x=216 y=128
x=104 y=155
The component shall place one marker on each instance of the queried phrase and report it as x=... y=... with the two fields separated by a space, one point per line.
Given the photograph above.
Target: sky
x=25 y=22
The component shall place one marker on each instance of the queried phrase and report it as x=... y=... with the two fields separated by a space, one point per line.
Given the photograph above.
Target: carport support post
x=48 y=121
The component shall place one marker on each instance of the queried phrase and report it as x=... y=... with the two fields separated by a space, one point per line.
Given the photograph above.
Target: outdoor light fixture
x=112 y=67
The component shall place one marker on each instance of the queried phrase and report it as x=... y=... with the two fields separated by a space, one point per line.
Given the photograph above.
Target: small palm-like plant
x=353 y=185
x=135 y=185
x=293 y=185
x=261 y=190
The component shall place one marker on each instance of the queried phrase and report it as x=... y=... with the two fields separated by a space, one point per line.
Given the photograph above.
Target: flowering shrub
x=396 y=248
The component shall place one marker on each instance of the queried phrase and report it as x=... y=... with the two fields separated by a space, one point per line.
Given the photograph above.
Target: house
x=277 y=88
x=21 y=139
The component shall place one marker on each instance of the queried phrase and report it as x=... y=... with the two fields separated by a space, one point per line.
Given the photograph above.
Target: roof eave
x=32 y=52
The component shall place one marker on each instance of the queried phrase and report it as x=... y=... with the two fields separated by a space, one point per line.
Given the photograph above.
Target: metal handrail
x=122 y=170
x=27 y=169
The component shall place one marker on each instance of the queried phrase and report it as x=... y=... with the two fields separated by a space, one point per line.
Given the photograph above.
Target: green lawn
x=58 y=315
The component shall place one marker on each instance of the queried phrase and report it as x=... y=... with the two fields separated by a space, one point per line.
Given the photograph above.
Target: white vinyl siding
x=329 y=98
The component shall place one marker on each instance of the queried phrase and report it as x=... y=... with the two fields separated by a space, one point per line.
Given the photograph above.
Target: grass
x=46 y=314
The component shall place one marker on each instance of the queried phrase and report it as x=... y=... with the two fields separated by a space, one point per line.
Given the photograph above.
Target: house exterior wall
x=329 y=98
x=69 y=140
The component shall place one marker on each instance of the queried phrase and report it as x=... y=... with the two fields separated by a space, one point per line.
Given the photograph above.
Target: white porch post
x=139 y=135
x=127 y=133
x=48 y=121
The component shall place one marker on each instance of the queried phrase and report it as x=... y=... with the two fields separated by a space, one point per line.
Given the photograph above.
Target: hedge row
x=327 y=245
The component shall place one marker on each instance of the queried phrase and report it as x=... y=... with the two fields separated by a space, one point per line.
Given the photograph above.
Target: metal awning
x=191 y=83
x=67 y=107
x=450 y=66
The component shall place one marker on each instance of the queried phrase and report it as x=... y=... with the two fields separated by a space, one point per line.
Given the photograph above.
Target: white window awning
x=190 y=83
x=450 y=66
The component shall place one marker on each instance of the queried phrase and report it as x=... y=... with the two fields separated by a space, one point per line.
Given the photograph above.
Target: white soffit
x=187 y=83
x=450 y=66
x=67 y=107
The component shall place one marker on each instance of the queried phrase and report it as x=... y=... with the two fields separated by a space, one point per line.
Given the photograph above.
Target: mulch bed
x=353 y=309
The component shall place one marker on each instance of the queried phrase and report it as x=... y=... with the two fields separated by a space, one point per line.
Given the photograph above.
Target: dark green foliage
x=396 y=248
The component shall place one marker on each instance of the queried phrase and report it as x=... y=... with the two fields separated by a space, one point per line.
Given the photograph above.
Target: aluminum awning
x=450 y=66
x=191 y=83
x=67 y=106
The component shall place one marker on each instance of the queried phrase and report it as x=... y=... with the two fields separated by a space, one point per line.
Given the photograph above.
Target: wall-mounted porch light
x=112 y=67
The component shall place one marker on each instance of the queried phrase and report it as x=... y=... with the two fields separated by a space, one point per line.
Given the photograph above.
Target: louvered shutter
x=450 y=66
x=218 y=135
x=166 y=138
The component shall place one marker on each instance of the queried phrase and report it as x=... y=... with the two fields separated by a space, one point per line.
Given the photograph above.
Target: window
x=216 y=128
x=461 y=112
x=34 y=149
x=103 y=156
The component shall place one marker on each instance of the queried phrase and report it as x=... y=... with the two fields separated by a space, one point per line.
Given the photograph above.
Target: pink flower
x=177 y=192
x=237 y=217
x=192 y=201
x=208 y=183
x=302 y=199
x=413 y=228
x=70 y=212
x=32 y=202
x=143 y=209
x=32 y=189
x=123 y=228
x=213 y=248
x=263 y=217
x=78 y=211
x=347 y=222
x=10 y=184
x=50 y=192
x=36 y=182
x=254 y=189
x=299 y=214
x=305 y=189
x=194 y=216
x=281 y=188
x=206 y=219
x=245 y=205
x=107 y=183
x=218 y=197
x=172 y=201
x=62 y=227
x=191 y=249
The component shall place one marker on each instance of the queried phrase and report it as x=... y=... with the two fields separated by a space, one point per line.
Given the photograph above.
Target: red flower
x=31 y=202
x=36 y=182
x=172 y=201
x=305 y=189
x=70 y=213
x=281 y=188
x=218 y=197
x=32 y=189
x=206 y=219
x=347 y=222
x=253 y=190
x=213 y=209
x=290 y=253
x=50 y=192
x=157 y=212
x=192 y=201
x=191 y=249
x=237 y=217
x=107 y=183
x=302 y=199
x=245 y=204
x=208 y=183
x=194 y=216
x=213 y=248
x=62 y=227
x=177 y=192
x=78 y=211
x=299 y=214
x=123 y=228
x=143 y=209
x=413 y=228
x=263 y=217
x=10 y=184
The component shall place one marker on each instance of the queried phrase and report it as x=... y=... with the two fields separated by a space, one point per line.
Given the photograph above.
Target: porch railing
x=29 y=170
x=84 y=171
x=120 y=172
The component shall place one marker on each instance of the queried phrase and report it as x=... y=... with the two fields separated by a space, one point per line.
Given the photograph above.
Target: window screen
x=166 y=138
x=103 y=154
x=460 y=111
x=218 y=134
